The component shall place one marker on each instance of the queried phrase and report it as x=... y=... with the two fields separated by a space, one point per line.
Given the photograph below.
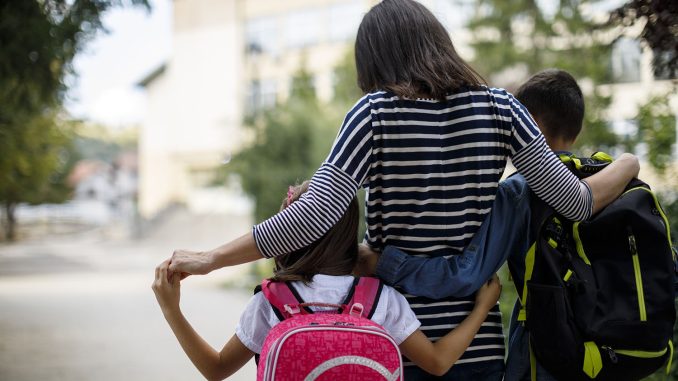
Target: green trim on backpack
x=639 y=278
x=533 y=361
x=602 y=156
x=668 y=365
x=529 y=266
x=642 y=354
x=593 y=363
x=661 y=212
x=579 y=244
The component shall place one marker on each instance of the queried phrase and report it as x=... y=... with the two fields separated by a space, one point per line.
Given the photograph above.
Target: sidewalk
x=81 y=307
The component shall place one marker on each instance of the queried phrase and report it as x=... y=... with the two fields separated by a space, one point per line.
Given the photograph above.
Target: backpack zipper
x=612 y=353
x=661 y=213
x=638 y=276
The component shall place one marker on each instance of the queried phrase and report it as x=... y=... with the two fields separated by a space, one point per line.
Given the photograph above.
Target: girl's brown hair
x=335 y=253
x=403 y=48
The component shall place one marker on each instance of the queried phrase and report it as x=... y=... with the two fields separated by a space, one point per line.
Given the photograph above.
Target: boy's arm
x=212 y=364
x=437 y=358
x=503 y=232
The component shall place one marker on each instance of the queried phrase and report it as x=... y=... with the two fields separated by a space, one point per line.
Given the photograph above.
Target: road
x=80 y=307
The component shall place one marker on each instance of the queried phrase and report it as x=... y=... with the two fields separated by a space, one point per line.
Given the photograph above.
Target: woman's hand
x=488 y=295
x=186 y=262
x=167 y=288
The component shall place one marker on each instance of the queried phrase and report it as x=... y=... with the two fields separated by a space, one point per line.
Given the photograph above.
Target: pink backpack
x=341 y=344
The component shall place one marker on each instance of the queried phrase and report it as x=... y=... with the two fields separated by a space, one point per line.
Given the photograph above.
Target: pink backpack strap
x=365 y=292
x=280 y=294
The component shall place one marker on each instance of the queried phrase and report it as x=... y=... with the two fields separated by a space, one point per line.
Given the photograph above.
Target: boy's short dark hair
x=553 y=97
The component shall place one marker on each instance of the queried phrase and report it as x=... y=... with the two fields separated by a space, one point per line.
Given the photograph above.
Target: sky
x=137 y=43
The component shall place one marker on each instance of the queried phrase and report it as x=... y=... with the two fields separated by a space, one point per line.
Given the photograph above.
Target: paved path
x=81 y=308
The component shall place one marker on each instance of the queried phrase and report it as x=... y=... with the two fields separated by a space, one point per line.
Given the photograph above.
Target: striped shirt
x=431 y=170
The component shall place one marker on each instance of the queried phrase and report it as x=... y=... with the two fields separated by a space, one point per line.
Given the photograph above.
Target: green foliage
x=289 y=143
x=521 y=32
x=597 y=135
x=346 y=90
x=509 y=34
x=657 y=128
x=96 y=142
x=38 y=40
x=35 y=163
x=660 y=31
x=41 y=156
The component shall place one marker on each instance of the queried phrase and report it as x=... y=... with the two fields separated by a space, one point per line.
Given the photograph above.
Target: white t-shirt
x=392 y=312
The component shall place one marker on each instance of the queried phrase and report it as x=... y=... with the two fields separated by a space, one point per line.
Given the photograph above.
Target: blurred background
x=132 y=128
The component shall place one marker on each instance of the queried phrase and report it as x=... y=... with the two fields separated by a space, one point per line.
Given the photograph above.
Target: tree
x=657 y=128
x=660 y=31
x=655 y=120
x=521 y=34
x=289 y=142
x=38 y=40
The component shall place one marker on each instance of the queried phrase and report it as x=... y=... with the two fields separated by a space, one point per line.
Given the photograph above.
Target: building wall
x=195 y=105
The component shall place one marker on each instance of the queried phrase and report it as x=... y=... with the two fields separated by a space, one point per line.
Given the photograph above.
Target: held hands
x=166 y=287
x=186 y=262
x=488 y=295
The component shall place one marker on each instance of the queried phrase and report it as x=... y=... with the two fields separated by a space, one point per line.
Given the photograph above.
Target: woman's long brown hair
x=335 y=253
x=403 y=48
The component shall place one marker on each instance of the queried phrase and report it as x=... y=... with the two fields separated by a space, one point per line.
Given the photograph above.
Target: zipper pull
x=632 y=244
x=611 y=354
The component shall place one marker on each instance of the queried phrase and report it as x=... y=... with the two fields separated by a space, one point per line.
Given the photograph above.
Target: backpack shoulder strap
x=280 y=294
x=366 y=292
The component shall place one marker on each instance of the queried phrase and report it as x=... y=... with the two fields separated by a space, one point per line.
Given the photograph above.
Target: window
x=261 y=95
x=262 y=36
x=625 y=59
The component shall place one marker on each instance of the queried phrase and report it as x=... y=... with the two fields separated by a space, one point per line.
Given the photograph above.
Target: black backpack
x=598 y=298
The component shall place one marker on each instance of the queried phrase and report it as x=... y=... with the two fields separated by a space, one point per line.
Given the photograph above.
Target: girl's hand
x=488 y=295
x=167 y=287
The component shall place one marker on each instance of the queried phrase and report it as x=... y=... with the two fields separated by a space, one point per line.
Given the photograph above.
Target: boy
x=557 y=105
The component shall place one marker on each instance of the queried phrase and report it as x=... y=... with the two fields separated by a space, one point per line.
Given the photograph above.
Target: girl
x=320 y=272
x=429 y=141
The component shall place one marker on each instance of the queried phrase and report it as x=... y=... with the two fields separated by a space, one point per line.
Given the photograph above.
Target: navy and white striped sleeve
x=546 y=175
x=329 y=193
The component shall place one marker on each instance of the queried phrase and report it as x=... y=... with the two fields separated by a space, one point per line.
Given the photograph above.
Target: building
x=194 y=105
x=233 y=57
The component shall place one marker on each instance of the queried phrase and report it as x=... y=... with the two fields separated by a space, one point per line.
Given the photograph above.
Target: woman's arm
x=212 y=364
x=437 y=358
x=331 y=189
x=609 y=183
x=241 y=250
x=550 y=179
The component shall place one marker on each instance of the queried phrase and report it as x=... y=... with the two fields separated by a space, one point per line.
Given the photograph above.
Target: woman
x=429 y=141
